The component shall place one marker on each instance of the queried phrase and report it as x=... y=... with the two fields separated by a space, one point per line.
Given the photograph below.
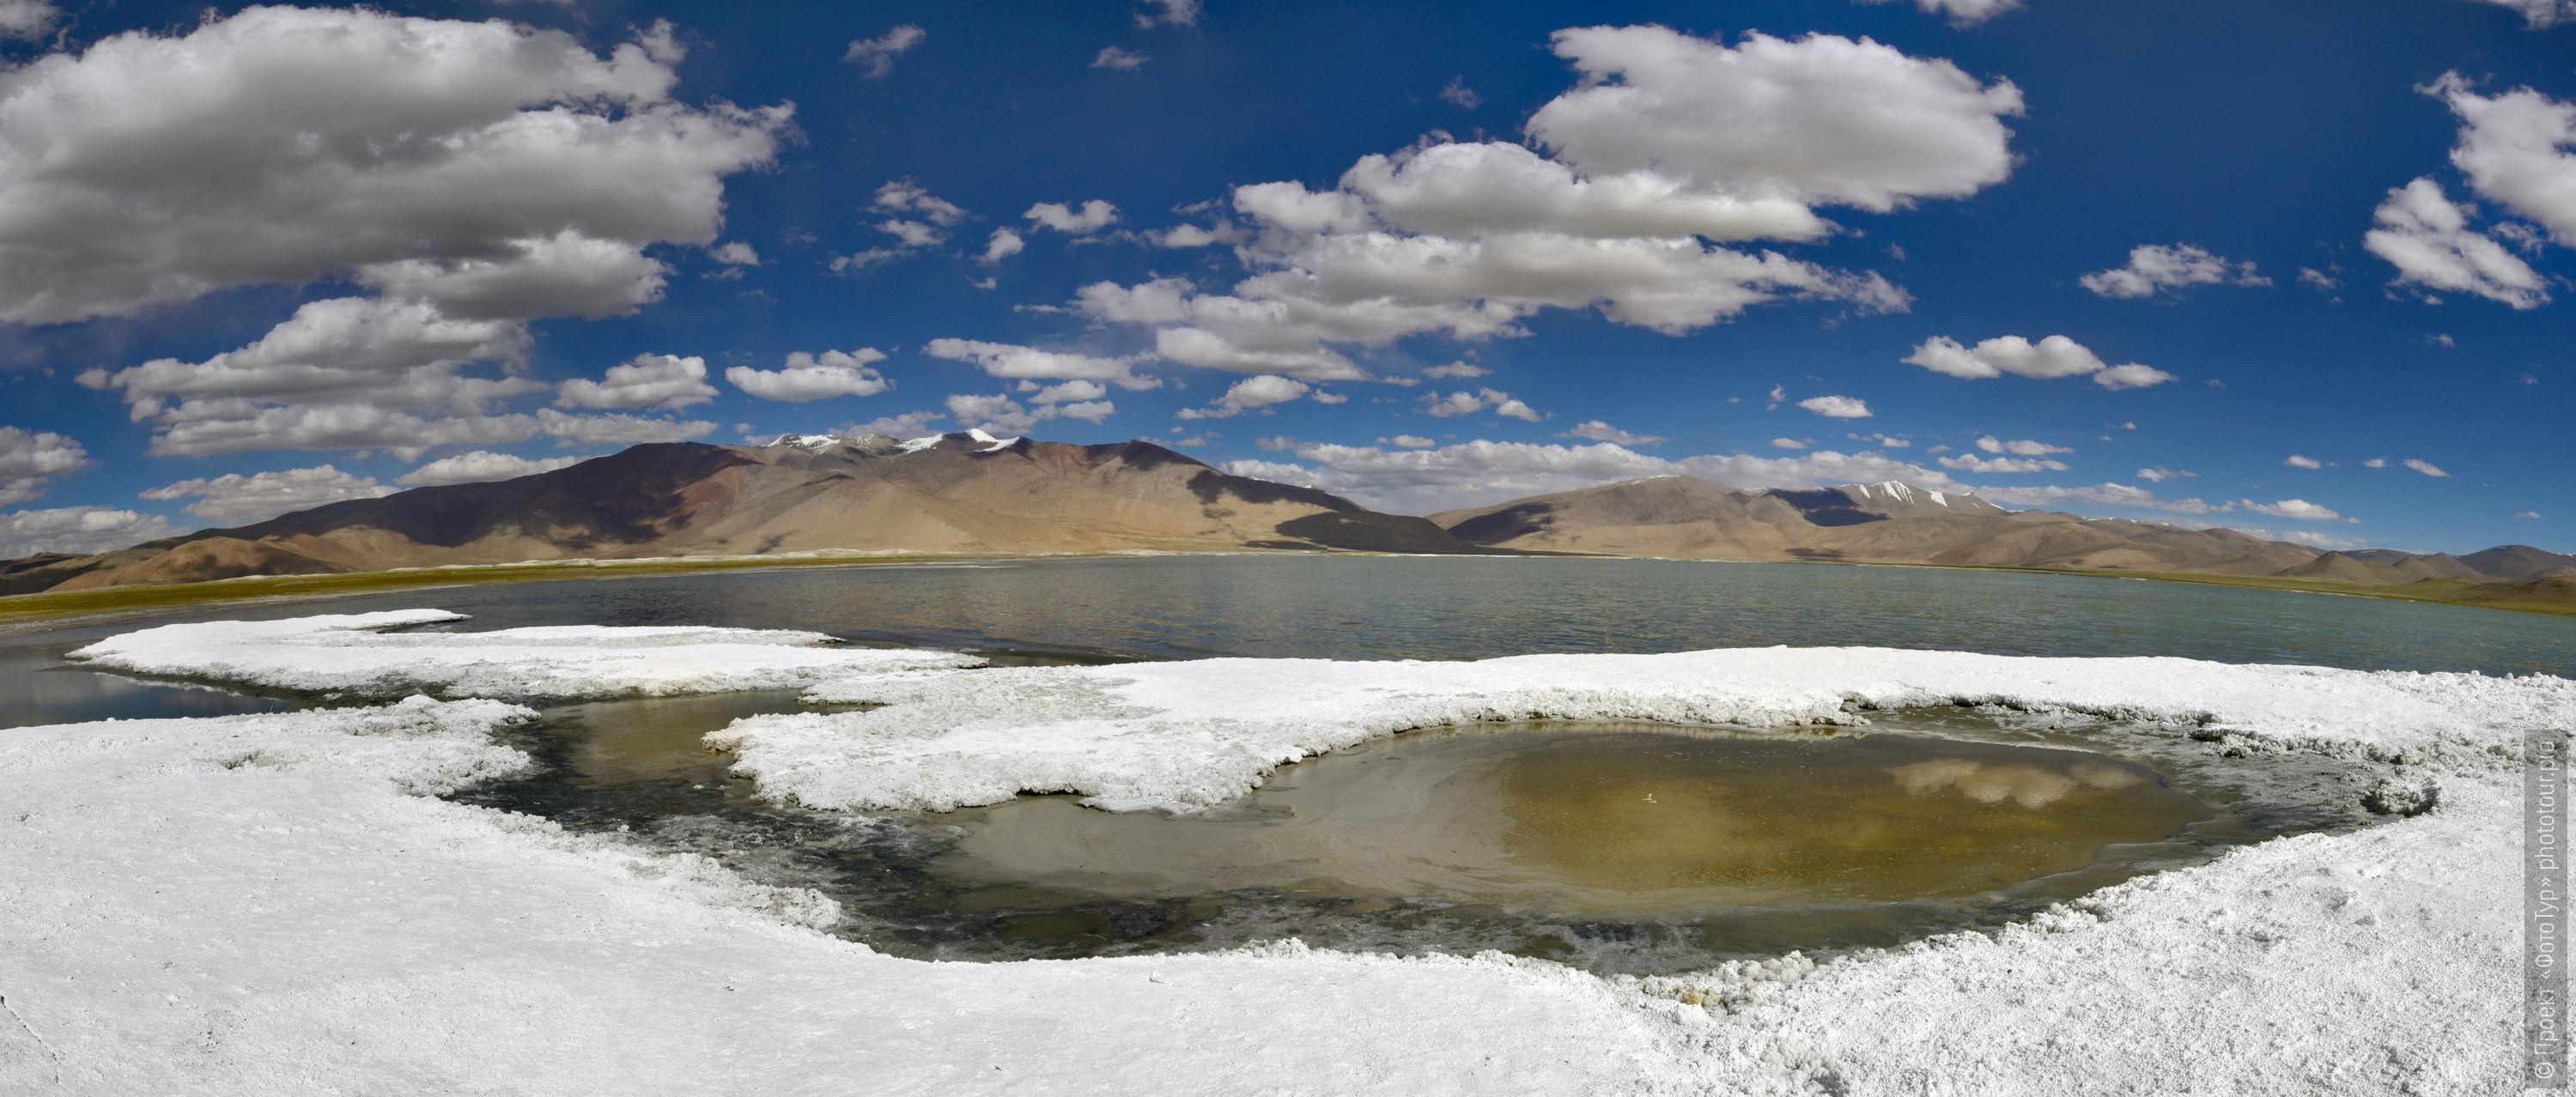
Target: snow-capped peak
x=815 y=442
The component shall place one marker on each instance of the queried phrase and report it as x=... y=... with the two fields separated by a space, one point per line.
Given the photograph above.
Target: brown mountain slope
x=52 y=569
x=1659 y=516
x=2384 y=566
x=965 y=492
x=211 y=558
x=1874 y=523
x=2520 y=562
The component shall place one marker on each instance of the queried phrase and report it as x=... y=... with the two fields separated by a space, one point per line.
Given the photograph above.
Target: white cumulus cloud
x=875 y=56
x=1964 y=13
x=237 y=500
x=1972 y=463
x=623 y=430
x=1091 y=217
x=2019 y=447
x=480 y=466
x=2425 y=467
x=1818 y=119
x=1249 y=394
x=1112 y=57
x=2054 y=356
x=1016 y=362
x=911 y=424
x=465 y=163
x=476 y=175
x=904 y=196
x=342 y=373
x=814 y=377
x=1179 y=13
x=2541 y=13
x=27 y=18
x=1480 y=472
x=999 y=414
x=1469 y=403
x=1837 y=407
x=1003 y=244
x=1669 y=144
x=2515 y=148
x=1065 y=392
x=78 y=530
x=2298 y=462
x=2428 y=239
x=2299 y=509
x=645 y=381
x=30 y=458
x=2127 y=496
x=2154 y=267
x=1598 y=431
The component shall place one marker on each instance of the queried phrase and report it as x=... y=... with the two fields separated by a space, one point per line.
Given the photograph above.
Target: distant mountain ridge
x=1894 y=522
x=971 y=492
x=960 y=492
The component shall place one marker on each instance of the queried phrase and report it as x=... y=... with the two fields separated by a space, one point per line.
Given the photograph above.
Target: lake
x=1356 y=607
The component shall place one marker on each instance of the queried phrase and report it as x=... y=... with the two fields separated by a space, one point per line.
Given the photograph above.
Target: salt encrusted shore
x=351 y=655
x=266 y=903
x=1191 y=734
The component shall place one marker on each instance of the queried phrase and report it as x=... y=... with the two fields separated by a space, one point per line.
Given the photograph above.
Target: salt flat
x=265 y=903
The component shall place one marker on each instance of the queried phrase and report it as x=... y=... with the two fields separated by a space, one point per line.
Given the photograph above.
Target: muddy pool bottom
x=1617 y=847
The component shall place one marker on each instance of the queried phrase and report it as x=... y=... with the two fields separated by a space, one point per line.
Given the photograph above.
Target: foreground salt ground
x=352 y=655
x=255 y=903
x=264 y=905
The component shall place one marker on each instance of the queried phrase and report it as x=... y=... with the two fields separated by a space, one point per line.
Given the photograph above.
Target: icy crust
x=1193 y=734
x=351 y=655
x=253 y=905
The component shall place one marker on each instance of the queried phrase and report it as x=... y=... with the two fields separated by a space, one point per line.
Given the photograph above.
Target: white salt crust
x=1187 y=735
x=350 y=655
x=267 y=904
x=260 y=905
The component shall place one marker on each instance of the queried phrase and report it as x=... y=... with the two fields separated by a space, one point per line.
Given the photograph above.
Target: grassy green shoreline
x=2553 y=597
x=46 y=609
x=49 y=608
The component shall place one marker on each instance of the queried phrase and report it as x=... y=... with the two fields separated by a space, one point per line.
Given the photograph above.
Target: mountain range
x=1893 y=522
x=961 y=492
x=971 y=492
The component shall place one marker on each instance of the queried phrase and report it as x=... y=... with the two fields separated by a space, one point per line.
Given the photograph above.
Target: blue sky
x=2293 y=267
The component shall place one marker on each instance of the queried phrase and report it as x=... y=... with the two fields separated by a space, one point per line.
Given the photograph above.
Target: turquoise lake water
x=1406 y=608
